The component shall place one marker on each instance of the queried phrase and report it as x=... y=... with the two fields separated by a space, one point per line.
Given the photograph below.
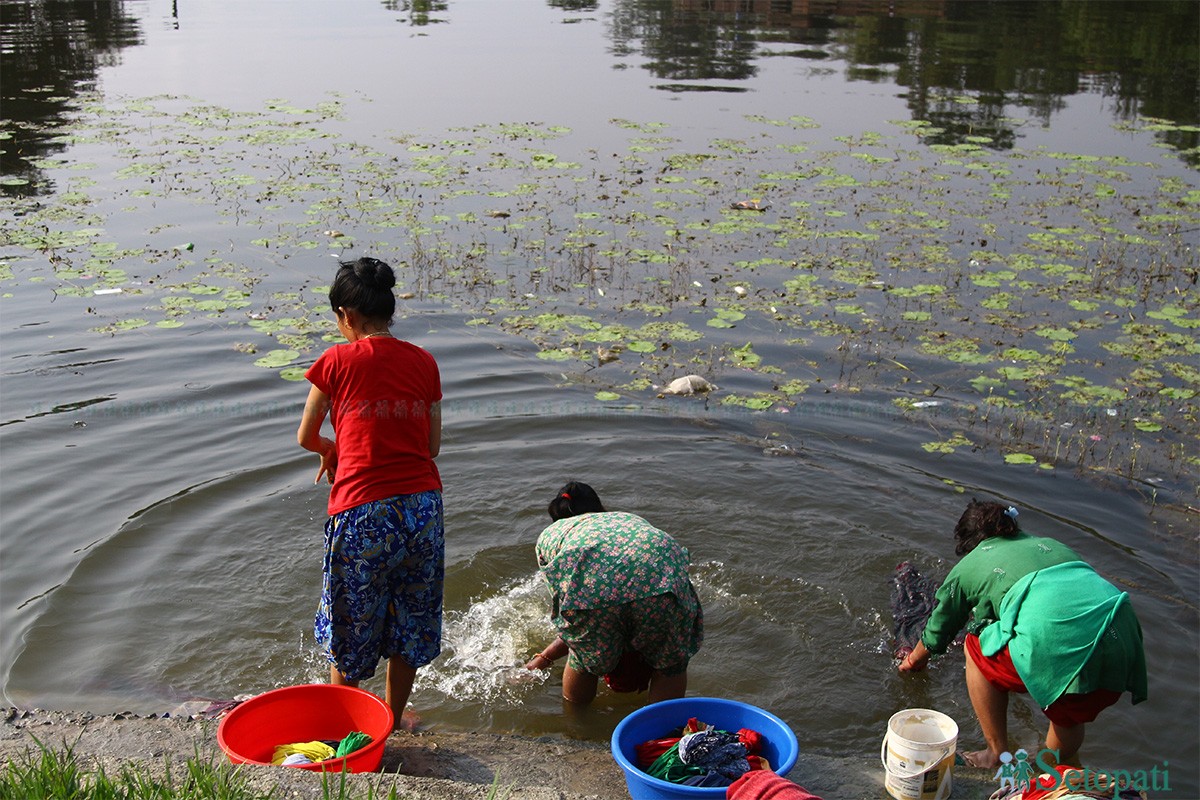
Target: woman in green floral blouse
x=623 y=603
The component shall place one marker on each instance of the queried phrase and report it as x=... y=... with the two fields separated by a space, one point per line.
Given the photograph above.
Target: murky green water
x=967 y=268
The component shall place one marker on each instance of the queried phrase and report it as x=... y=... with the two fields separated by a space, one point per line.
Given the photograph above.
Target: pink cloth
x=764 y=785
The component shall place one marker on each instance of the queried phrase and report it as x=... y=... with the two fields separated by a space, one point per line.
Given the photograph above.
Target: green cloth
x=1069 y=630
x=977 y=585
x=604 y=559
x=353 y=741
x=669 y=767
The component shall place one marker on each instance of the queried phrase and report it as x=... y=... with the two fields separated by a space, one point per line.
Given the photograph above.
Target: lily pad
x=277 y=358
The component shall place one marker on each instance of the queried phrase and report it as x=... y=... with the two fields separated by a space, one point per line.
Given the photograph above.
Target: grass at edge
x=56 y=774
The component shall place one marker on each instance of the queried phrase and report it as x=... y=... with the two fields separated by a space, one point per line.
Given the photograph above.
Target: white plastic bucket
x=918 y=754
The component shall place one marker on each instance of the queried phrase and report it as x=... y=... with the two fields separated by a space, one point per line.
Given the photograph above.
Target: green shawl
x=1069 y=630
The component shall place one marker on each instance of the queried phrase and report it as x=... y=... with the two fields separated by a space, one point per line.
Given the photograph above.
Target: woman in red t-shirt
x=384 y=548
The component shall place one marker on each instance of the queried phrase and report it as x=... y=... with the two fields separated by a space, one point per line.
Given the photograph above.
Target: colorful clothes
x=380 y=390
x=703 y=755
x=1068 y=781
x=976 y=586
x=382 y=593
x=617 y=583
x=353 y=742
x=311 y=752
x=1069 y=631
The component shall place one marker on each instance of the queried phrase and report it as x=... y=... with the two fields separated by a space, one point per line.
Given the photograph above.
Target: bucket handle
x=945 y=783
x=920 y=771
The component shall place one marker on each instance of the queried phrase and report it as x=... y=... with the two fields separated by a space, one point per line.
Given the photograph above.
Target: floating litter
x=688 y=384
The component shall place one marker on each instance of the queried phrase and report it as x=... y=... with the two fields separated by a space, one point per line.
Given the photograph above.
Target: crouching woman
x=622 y=601
x=1042 y=622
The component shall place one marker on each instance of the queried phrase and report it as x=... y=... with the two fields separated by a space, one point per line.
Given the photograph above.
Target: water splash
x=484 y=647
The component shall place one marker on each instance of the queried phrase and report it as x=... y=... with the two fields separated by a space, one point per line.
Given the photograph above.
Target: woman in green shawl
x=1039 y=621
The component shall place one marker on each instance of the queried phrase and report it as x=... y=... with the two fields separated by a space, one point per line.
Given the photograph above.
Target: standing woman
x=623 y=603
x=1042 y=622
x=384 y=552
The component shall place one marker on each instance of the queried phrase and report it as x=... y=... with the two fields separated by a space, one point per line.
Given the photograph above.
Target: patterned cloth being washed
x=912 y=602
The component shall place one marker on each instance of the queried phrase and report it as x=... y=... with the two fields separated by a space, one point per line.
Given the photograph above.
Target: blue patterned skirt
x=382 y=588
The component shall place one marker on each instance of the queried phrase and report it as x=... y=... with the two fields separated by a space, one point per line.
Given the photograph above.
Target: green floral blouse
x=605 y=559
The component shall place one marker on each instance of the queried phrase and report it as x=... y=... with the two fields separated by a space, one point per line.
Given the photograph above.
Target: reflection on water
x=967 y=67
x=52 y=52
x=419 y=13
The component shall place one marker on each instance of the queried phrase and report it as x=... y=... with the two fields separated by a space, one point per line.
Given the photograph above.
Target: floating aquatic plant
x=277 y=358
x=947 y=446
x=1033 y=285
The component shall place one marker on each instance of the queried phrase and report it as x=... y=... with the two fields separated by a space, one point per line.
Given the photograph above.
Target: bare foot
x=984 y=759
x=409 y=721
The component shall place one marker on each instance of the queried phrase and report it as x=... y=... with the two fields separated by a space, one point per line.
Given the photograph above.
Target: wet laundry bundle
x=913 y=599
x=291 y=755
x=702 y=755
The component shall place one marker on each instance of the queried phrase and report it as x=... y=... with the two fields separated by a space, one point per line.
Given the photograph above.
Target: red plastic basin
x=250 y=732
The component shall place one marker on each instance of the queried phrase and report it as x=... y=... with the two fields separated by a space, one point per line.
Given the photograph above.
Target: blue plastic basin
x=656 y=721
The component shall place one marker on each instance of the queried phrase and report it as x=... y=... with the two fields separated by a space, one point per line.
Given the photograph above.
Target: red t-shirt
x=380 y=391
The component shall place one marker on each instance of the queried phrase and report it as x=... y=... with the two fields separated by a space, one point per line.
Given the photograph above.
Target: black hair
x=573 y=499
x=983 y=520
x=365 y=285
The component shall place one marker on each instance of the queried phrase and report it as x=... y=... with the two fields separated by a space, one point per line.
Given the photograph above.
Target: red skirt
x=1067 y=711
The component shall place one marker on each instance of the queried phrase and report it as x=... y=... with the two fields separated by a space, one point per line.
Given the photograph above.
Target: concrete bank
x=427 y=765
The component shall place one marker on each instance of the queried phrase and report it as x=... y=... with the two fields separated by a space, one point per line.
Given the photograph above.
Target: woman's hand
x=545 y=659
x=539 y=662
x=328 y=453
x=308 y=435
x=916 y=660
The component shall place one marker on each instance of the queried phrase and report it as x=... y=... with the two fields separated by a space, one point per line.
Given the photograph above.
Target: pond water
x=964 y=265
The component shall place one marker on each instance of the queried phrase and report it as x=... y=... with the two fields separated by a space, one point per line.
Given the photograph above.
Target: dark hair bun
x=374 y=273
x=573 y=499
